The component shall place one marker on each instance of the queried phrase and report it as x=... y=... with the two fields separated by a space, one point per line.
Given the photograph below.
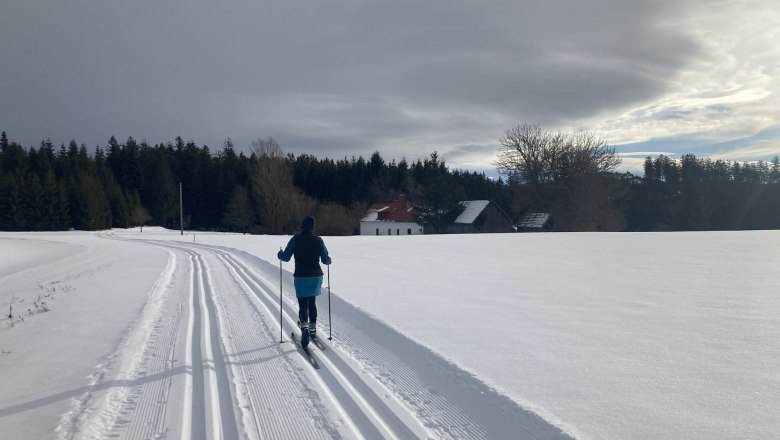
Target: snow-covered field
x=122 y=334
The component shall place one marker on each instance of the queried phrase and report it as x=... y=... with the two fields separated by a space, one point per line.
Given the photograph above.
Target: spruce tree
x=160 y=193
x=12 y=208
x=34 y=207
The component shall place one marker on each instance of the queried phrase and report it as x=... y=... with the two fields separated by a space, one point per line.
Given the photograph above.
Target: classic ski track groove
x=211 y=384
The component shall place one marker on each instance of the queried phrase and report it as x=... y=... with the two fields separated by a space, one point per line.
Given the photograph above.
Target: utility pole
x=181 y=211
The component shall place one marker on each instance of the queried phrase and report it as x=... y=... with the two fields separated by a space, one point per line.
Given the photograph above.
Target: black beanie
x=308 y=223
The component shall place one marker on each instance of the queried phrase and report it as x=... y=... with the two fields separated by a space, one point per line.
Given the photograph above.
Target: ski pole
x=281 y=323
x=330 y=320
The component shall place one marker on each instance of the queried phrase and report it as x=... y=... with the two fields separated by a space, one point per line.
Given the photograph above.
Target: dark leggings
x=307 y=310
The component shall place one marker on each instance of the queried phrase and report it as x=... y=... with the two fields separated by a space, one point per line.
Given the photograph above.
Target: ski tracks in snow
x=336 y=390
x=206 y=360
x=169 y=375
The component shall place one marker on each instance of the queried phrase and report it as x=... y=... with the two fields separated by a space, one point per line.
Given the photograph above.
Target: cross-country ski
x=305 y=351
x=318 y=343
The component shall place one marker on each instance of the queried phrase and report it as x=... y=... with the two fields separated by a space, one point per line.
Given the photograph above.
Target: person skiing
x=308 y=250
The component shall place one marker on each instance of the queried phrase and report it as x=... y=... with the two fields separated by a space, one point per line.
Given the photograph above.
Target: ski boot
x=304 y=334
x=312 y=331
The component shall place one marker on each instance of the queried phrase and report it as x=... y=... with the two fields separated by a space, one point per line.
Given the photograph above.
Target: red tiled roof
x=395 y=211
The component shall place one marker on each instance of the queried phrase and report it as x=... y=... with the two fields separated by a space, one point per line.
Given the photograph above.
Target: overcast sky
x=337 y=78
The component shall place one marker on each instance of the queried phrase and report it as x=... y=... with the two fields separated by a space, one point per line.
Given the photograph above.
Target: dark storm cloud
x=331 y=78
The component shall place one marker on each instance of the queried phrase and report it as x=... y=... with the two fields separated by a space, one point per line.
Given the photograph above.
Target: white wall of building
x=389 y=228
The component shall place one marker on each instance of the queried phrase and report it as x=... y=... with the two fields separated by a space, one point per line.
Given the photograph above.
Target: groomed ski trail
x=205 y=361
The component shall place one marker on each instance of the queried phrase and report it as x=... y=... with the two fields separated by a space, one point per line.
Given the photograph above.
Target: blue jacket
x=308 y=250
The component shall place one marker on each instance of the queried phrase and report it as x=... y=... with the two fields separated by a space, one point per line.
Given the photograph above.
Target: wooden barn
x=480 y=216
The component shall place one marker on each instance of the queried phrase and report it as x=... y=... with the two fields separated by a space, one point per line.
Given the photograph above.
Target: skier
x=308 y=250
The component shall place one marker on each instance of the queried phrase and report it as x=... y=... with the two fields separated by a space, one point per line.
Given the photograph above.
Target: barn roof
x=534 y=220
x=473 y=208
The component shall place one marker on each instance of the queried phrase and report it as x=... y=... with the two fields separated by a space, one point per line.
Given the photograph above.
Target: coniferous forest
x=129 y=184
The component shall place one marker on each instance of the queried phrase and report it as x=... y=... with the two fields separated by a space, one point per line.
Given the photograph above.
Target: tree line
x=134 y=183
x=701 y=194
x=570 y=175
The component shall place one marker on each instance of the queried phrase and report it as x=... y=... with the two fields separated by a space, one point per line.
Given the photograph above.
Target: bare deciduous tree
x=585 y=154
x=567 y=174
x=532 y=155
x=271 y=183
x=139 y=216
